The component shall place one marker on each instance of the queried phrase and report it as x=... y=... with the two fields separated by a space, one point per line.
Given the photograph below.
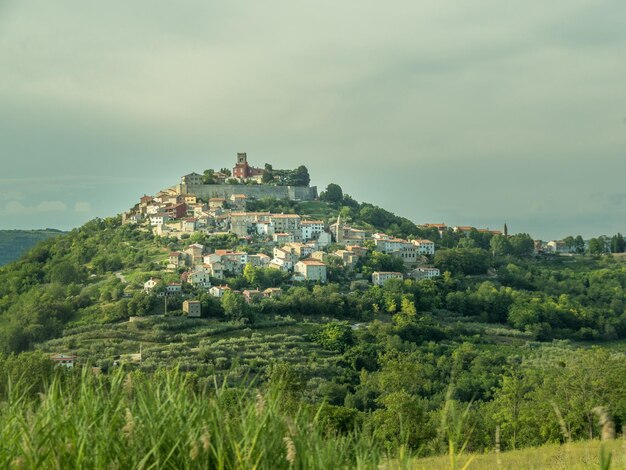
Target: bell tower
x=241 y=169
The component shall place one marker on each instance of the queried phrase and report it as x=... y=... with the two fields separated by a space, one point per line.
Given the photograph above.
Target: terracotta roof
x=312 y=262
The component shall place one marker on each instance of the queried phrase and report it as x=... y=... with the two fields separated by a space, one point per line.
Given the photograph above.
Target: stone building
x=193 y=308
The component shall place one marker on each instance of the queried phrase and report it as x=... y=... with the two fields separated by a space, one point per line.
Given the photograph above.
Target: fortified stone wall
x=206 y=191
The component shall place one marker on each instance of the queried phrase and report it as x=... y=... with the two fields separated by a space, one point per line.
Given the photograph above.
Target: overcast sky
x=468 y=113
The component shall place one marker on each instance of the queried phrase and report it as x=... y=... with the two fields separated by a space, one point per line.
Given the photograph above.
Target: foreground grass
x=161 y=421
x=576 y=456
x=166 y=420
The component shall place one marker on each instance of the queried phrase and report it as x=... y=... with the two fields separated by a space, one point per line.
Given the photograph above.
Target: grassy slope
x=207 y=345
x=575 y=456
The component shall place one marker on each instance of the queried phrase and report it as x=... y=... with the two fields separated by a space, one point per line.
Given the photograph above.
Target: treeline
x=298 y=177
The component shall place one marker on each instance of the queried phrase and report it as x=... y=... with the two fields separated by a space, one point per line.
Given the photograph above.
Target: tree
x=522 y=245
x=462 y=261
x=252 y=275
x=333 y=194
x=226 y=171
x=509 y=403
x=570 y=243
x=67 y=272
x=208 y=177
x=596 y=246
x=287 y=380
x=234 y=306
x=618 y=245
x=500 y=246
x=301 y=176
x=579 y=244
x=268 y=174
x=335 y=336
x=408 y=313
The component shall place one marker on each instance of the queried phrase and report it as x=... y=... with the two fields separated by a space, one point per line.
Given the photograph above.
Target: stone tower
x=241 y=169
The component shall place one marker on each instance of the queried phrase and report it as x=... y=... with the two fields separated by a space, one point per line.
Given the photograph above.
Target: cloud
x=44 y=207
x=51 y=206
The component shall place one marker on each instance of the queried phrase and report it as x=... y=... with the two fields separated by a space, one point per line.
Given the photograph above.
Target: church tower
x=241 y=169
x=338 y=230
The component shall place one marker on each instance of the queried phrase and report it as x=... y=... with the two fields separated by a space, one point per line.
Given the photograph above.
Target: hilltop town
x=217 y=203
x=294 y=244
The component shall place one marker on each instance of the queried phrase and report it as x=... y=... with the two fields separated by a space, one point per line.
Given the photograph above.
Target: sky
x=468 y=113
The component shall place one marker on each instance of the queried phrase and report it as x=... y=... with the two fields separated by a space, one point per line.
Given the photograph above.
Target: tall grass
x=135 y=421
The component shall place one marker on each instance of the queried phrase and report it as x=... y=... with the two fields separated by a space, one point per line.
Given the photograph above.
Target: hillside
x=406 y=363
x=13 y=243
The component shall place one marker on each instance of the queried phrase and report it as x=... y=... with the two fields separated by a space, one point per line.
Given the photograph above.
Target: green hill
x=13 y=243
x=502 y=338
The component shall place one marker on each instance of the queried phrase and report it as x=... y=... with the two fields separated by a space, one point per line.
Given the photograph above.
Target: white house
x=283 y=237
x=216 y=269
x=199 y=278
x=558 y=246
x=152 y=209
x=311 y=270
x=158 y=219
x=424 y=247
x=265 y=229
x=260 y=260
x=324 y=239
x=150 y=284
x=135 y=218
x=380 y=277
x=282 y=264
x=285 y=254
x=425 y=273
x=173 y=288
x=189 y=225
x=218 y=291
x=64 y=360
x=311 y=229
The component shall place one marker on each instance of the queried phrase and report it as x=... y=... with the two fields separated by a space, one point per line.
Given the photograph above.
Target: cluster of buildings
x=298 y=245
x=299 y=248
x=464 y=229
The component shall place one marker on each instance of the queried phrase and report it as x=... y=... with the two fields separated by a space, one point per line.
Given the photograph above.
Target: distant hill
x=15 y=242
